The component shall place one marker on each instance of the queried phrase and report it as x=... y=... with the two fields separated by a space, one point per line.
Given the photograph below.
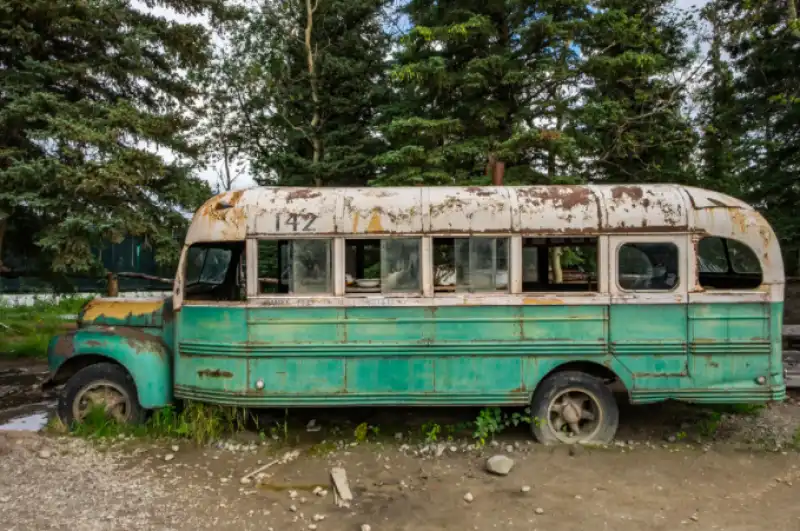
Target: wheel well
x=595 y=369
x=73 y=365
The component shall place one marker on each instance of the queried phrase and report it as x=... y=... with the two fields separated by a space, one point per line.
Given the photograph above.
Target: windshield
x=207 y=265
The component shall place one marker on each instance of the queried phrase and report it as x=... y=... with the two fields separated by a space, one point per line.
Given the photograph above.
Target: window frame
x=513 y=256
x=731 y=271
x=679 y=292
x=341 y=263
x=181 y=283
x=601 y=257
x=251 y=248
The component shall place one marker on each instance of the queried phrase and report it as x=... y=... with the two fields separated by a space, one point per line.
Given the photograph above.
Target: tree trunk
x=316 y=141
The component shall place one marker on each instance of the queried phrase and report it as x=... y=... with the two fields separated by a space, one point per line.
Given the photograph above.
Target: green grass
x=200 y=423
x=25 y=331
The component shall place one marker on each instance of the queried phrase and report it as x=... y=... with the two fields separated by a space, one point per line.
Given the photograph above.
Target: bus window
x=570 y=264
x=727 y=264
x=648 y=266
x=213 y=272
x=477 y=264
x=383 y=266
x=294 y=267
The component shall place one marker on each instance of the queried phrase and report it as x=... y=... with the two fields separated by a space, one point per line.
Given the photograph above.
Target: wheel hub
x=105 y=396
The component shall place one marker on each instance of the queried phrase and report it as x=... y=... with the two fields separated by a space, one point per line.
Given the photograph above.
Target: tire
x=97 y=378
x=572 y=388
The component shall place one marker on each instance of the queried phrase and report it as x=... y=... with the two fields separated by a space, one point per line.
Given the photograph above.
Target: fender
x=144 y=355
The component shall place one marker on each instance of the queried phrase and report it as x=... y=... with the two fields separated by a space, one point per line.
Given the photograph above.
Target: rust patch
x=565 y=196
x=303 y=193
x=215 y=373
x=635 y=193
x=235 y=197
x=477 y=190
x=93 y=343
x=140 y=341
x=65 y=345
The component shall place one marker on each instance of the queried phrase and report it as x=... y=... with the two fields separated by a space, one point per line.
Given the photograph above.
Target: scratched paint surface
x=468 y=355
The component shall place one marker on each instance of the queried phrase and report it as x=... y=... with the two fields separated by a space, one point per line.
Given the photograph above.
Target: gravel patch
x=65 y=483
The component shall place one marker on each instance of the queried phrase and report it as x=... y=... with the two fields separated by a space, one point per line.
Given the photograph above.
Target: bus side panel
x=211 y=341
x=730 y=344
x=650 y=341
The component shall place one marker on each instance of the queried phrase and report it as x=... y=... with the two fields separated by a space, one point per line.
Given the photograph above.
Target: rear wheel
x=574 y=407
x=101 y=387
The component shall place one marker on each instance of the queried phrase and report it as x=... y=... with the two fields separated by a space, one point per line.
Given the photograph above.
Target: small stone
x=509 y=449
x=576 y=449
x=499 y=464
x=440 y=448
x=312 y=426
x=293 y=508
x=312 y=526
x=525 y=488
x=45 y=454
x=175 y=448
x=169 y=457
x=454 y=449
x=468 y=497
x=322 y=493
x=245 y=481
x=398 y=436
x=672 y=439
x=694 y=518
x=318 y=517
x=303 y=500
x=539 y=510
x=365 y=527
x=495 y=444
x=292 y=494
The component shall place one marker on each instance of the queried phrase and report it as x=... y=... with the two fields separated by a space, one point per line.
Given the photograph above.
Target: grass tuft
x=200 y=423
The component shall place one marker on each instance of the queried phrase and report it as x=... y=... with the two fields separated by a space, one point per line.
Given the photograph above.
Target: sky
x=246 y=180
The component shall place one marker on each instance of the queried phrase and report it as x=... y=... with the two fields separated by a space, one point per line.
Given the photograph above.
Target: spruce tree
x=306 y=78
x=637 y=69
x=92 y=94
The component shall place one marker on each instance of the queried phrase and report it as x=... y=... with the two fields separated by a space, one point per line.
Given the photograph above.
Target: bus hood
x=147 y=313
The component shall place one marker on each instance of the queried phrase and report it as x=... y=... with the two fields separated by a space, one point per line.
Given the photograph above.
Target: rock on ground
x=499 y=464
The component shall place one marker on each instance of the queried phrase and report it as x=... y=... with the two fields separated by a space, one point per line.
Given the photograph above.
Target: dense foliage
x=91 y=96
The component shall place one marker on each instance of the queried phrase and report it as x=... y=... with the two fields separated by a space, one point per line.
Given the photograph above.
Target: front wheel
x=573 y=407
x=102 y=387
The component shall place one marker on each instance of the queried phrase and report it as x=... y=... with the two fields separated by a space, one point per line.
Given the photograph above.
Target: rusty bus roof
x=528 y=210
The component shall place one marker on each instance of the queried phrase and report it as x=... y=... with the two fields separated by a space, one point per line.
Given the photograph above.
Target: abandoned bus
x=536 y=295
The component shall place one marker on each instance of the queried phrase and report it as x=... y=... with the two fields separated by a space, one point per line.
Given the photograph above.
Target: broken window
x=727 y=264
x=559 y=264
x=301 y=267
x=215 y=272
x=389 y=265
x=477 y=264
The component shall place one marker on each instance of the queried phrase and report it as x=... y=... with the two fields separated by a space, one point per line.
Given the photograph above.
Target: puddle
x=30 y=417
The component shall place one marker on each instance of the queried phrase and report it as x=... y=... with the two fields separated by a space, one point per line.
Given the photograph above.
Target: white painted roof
x=534 y=210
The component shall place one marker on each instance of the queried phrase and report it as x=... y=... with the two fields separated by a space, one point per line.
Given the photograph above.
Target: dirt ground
x=673 y=467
